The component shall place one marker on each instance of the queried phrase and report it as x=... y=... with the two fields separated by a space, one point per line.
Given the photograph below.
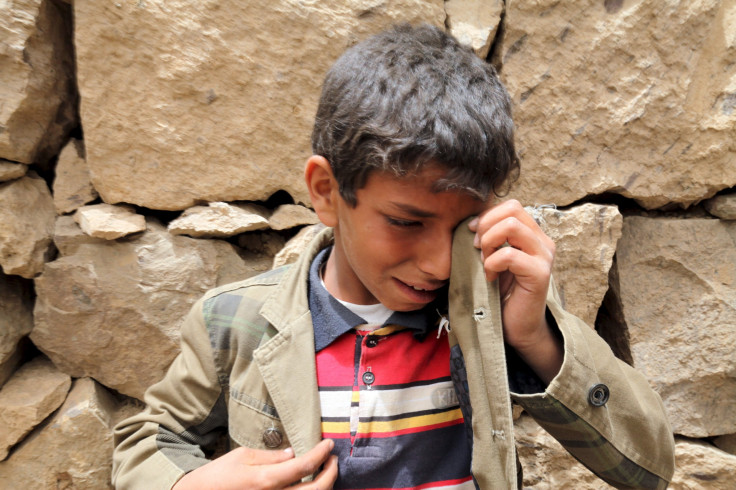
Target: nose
x=434 y=255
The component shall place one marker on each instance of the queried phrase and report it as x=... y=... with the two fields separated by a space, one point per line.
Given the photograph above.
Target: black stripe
x=409 y=414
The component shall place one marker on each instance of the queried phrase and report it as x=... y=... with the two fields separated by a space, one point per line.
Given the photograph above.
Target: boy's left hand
x=523 y=269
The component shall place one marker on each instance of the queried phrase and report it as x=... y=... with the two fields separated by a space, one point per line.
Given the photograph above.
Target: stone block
x=677 y=288
x=218 y=103
x=632 y=98
x=27 y=214
x=112 y=310
x=34 y=391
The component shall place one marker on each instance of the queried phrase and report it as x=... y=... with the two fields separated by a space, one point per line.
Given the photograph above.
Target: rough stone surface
x=290 y=216
x=27 y=216
x=212 y=88
x=723 y=206
x=72 y=186
x=11 y=170
x=546 y=464
x=16 y=313
x=113 y=310
x=73 y=449
x=635 y=98
x=37 y=83
x=702 y=466
x=474 y=22
x=585 y=237
x=68 y=235
x=677 y=286
x=294 y=247
x=34 y=391
x=726 y=443
x=220 y=219
x=108 y=221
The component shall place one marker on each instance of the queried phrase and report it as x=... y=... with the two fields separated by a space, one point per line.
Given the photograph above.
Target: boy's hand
x=523 y=270
x=251 y=469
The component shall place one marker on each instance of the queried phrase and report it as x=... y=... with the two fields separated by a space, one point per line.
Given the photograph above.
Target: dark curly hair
x=411 y=96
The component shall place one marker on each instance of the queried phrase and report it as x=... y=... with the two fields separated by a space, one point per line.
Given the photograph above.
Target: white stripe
x=390 y=403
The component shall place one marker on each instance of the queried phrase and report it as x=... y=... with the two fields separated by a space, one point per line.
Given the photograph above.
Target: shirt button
x=272 y=438
x=598 y=395
x=368 y=378
x=371 y=342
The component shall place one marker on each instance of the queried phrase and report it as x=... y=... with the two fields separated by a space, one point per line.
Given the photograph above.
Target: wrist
x=543 y=352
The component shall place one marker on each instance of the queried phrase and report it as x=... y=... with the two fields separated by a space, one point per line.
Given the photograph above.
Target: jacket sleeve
x=186 y=412
x=599 y=408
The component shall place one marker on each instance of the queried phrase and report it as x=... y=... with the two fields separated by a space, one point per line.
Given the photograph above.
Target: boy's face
x=394 y=246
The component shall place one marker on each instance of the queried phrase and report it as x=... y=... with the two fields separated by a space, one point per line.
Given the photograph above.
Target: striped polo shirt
x=387 y=397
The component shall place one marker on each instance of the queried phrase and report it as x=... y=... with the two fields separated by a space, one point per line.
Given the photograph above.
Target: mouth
x=419 y=293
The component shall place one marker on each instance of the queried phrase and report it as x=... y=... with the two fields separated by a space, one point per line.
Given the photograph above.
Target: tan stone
x=294 y=247
x=16 y=314
x=108 y=221
x=113 y=310
x=68 y=235
x=677 y=286
x=34 y=391
x=27 y=216
x=73 y=449
x=723 y=206
x=474 y=22
x=220 y=219
x=726 y=443
x=290 y=216
x=546 y=465
x=11 y=170
x=634 y=98
x=218 y=103
x=37 y=101
x=585 y=237
x=72 y=186
x=701 y=466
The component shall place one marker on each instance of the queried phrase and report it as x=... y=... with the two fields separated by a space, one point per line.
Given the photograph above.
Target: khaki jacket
x=247 y=369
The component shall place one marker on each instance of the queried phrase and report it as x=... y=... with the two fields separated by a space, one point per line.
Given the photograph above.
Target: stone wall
x=152 y=150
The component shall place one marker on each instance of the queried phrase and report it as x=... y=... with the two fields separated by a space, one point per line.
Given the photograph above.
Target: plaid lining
x=586 y=445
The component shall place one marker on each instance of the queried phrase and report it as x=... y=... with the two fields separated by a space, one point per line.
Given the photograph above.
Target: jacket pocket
x=254 y=423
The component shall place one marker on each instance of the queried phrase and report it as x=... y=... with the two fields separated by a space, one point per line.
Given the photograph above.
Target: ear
x=323 y=190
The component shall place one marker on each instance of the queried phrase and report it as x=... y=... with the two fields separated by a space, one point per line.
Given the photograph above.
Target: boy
x=342 y=367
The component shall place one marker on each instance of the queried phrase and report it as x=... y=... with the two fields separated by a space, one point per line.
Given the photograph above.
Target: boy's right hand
x=245 y=468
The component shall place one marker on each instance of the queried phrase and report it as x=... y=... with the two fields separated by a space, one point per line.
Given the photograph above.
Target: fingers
x=531 y=251
x=264 y=456
x=293 y=470
x=326 y=478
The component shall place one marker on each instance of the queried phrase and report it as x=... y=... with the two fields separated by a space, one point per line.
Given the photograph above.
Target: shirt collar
x=331 y=318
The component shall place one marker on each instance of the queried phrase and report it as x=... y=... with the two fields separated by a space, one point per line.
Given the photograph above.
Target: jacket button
x=598 y=395
x=368 y=378
x=371 y=342
x=272 y=438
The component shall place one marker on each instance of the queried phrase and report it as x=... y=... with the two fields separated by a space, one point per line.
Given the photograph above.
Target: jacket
x=247 y=369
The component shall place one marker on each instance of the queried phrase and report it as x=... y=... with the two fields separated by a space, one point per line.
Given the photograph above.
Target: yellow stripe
x=336 y=427
x=355 y=398
x=409 y=422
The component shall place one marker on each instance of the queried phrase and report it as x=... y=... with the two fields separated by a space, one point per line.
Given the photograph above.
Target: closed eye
x=402 y=223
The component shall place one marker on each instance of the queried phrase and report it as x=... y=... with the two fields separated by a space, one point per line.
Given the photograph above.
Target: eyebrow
x=413 y=211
